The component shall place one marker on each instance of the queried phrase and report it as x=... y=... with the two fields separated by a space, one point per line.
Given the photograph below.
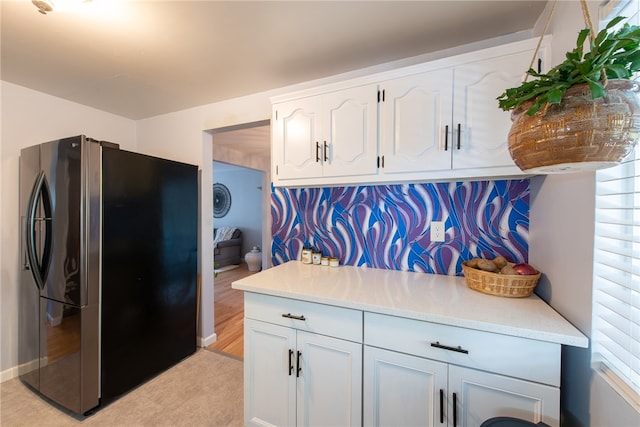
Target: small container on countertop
x=316 y=257
x=334 y=262
x=305 y=257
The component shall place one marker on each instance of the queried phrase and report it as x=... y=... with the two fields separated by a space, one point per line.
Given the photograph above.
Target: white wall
x=561 y=245
x=28 y=118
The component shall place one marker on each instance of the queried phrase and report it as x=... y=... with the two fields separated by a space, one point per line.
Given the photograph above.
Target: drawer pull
x=446 y=347
x=293 y=316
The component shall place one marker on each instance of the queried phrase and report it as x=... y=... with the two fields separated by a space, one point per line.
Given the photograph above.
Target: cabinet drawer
x=517 y=357
x=322 y=319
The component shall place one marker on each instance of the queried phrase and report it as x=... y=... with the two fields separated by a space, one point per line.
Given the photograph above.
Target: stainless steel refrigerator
x=109 y=266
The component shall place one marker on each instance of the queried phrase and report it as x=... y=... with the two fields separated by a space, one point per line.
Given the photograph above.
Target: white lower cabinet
x=403 y=390
x=428 y=374
x=483 y=395
x=406 y=390
x=296 y=377
x=310 y=364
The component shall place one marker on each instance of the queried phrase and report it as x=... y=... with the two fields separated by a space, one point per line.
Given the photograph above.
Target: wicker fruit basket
x=503 y=285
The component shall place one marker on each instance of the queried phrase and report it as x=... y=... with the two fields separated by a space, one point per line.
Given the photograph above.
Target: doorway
x=240 y=154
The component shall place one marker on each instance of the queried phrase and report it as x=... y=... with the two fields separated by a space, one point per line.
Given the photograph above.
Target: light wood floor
x=228 y=309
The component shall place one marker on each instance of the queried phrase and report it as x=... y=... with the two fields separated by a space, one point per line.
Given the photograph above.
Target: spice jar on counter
x=306 y=255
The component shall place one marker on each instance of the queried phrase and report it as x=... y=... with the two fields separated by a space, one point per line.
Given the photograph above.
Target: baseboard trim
x=205 y=342
x=8 y=374
x=13 y=372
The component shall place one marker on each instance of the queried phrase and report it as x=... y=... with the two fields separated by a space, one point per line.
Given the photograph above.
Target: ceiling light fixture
x=43 y=6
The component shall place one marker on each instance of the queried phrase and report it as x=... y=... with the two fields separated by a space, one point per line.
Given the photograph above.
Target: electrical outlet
x=437 y=231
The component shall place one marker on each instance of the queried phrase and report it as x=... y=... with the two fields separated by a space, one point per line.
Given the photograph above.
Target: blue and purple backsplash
x=388 y=226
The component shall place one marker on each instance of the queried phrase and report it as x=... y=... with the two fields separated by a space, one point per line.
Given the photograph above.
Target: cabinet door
x=269 y=374
x=403 y=390
x=480 y=127
x=350 y=135
x=297 y=137
x=482 y=395
x=330 y=382
x=415 y=119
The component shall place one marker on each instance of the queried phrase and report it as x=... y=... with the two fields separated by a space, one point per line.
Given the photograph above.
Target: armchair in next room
x=227 y=246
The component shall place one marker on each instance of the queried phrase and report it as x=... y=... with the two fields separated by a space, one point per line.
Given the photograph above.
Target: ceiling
x=139 y=59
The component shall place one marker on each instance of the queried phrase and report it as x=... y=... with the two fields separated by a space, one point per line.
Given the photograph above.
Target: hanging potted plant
x=583 y=114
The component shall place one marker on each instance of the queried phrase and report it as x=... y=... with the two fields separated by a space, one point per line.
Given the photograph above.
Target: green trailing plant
x=612 y=55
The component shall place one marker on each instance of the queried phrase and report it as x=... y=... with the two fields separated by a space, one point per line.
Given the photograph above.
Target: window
x=616 y=295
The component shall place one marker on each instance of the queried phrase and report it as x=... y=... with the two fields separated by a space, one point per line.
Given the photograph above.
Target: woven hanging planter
x=580 y=133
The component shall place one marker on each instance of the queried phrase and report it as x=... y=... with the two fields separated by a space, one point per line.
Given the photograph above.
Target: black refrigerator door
x=29 y=291
x=57 y=323
x=63 y=171
x=149 y=267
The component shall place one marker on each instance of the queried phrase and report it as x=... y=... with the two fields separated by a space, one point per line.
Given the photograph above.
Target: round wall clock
x=221 y=200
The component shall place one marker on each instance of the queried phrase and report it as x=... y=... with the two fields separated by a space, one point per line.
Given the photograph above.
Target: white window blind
x=616 y=294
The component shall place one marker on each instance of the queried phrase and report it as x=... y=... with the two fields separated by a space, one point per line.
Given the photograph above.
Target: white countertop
x=429 y=297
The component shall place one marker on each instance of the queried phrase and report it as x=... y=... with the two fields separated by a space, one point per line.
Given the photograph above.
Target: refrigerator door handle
x=40 y=190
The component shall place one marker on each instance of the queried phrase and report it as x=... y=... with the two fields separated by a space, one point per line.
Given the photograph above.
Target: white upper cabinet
x=480 y=128
x=328 y=135
x=435 y=121
x=415 y=116
x=446 y=123
x=296 y=133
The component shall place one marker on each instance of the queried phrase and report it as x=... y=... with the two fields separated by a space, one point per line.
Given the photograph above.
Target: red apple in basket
x=525 y=269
